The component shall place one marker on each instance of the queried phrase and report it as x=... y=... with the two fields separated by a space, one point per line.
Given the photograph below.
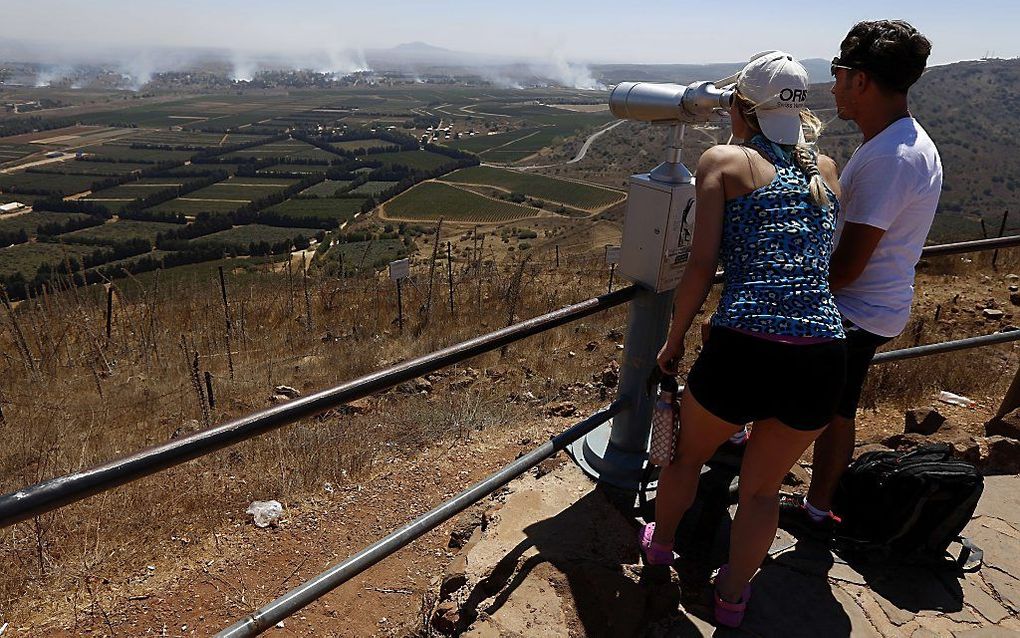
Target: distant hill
x=970 y=110
x=818 y=71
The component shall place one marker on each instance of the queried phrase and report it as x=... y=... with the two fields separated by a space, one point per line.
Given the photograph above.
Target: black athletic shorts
x=741 y=378
x=860 y=349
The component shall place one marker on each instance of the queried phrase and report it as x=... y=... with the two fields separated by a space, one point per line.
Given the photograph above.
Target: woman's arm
x=699 y=273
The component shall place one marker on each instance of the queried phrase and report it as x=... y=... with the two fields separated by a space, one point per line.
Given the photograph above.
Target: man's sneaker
x=794 y=518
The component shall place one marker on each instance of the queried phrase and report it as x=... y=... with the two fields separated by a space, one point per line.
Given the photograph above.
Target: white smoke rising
x=569 y=74
x=138 y=70
x=498 y=78
x=340 y=62
x=244 y=68
x=51 y=75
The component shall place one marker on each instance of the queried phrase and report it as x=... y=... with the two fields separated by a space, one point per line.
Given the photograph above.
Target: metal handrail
x=56 y=492
x=935 y=250
x=327 y=581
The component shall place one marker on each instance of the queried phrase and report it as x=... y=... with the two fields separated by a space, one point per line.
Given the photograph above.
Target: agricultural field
x=117 y=197
x=584 y=196
x=26 y=258
x=434 y=200
x=53 y=184
x=187 y=125
x=190 y=207
x=361 y=255
x=361 y=145
x=240 y=189
x=418 y=160
x=286 y=169
x=113 y=153
x=11 y=152
x=325 y=188
x=373 y=188
x=30 y=221
x=238 y=238
x=100 y=169
x=338 y=210
x=6 y=198
x=117 y=231
x=480 y=144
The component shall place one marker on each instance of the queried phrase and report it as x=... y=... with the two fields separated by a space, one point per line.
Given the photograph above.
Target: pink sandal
x=730 y=614
x=655 y=553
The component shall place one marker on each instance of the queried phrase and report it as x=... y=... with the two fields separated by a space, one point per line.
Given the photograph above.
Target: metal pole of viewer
x=616 y=452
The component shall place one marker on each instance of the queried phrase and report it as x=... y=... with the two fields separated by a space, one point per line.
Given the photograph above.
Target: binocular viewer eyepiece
x=669 y=103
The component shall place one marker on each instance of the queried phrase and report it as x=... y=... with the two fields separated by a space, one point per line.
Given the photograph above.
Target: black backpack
x=909 y=506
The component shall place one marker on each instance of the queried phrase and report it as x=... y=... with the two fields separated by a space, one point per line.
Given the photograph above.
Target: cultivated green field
x=339 y=209
x=360 y=145
x=112 y=153
x=420 y=160
x=325 y=188
x=244 y=189
x=118 y=231
x=239 y=238
x=371 y=188
x=481 y=143
x=26 y=258
x=30 y=221
x=91 y=168
x=10 y=152
x=432 y=200
x=188 y=207
x=538 y=186
x=362 y=255
x=55 y=184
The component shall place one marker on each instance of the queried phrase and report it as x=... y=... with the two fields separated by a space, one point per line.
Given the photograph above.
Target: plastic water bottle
x=665 y=424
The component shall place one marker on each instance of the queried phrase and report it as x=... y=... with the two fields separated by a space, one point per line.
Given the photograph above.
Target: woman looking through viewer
x=775 y=354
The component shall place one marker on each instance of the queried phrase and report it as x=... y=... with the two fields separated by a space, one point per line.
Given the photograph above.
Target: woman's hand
x=670 y=356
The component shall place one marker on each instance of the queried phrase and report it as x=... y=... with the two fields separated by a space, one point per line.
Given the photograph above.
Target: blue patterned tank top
x=775 y=251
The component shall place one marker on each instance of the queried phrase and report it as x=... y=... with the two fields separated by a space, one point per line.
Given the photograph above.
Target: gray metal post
x=615 y=452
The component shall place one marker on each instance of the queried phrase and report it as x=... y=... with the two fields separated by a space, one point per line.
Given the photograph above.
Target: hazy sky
x=589 y=30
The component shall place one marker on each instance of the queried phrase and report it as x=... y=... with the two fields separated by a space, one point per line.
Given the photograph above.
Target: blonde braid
x=807 y=159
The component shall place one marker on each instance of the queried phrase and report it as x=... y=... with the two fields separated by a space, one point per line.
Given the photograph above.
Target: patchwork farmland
x=179 y=180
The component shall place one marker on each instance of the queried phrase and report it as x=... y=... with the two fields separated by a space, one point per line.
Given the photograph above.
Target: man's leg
x=833 y=451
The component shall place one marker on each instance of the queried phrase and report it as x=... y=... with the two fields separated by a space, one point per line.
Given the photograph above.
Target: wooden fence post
x=109 y=313
x=449 y=271
x=1002 y=230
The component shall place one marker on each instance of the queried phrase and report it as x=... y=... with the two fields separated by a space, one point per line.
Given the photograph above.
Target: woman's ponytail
x=807 y=159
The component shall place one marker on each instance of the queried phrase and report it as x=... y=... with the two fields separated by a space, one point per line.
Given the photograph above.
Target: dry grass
x=71 y=399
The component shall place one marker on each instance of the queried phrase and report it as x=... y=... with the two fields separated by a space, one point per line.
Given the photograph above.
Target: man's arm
x=856 y=245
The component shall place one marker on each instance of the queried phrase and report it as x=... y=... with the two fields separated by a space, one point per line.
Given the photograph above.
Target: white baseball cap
x=777 y=84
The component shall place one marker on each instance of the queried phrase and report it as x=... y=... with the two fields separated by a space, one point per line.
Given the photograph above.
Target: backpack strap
x=971 y=556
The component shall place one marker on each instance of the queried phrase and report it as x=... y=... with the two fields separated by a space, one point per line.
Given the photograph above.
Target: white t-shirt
x=892 y=182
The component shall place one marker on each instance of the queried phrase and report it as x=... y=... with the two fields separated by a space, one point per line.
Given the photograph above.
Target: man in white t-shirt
x=891 y=189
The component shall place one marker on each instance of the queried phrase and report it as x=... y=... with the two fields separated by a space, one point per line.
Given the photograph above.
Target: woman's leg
x=771 y=452
x=701 y=433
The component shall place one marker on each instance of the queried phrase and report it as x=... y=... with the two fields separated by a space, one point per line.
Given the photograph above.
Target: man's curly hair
x=893 y=52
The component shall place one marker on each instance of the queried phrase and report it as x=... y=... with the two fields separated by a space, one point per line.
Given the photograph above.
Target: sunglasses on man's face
x=836 y=64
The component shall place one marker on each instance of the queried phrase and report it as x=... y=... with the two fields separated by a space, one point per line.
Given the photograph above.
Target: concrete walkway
x=553 y=556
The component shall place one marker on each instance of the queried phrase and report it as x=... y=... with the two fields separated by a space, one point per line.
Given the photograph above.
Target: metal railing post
x=615 y=453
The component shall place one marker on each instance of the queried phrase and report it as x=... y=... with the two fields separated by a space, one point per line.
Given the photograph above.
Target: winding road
x=580 y=154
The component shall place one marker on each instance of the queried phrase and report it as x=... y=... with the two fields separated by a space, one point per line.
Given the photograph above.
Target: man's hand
x=856 y=245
